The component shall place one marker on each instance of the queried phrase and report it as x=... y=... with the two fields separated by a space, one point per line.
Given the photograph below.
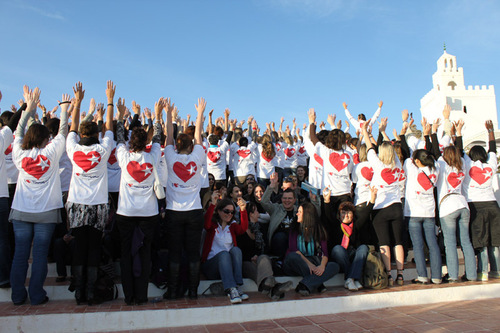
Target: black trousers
x=184 y=230
x=135 y=288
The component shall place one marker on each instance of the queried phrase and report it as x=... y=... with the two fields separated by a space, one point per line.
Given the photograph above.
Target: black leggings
x=388 y=224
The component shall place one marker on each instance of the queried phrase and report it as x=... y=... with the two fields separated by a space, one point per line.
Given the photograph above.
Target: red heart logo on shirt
x=289 y=152
x=302 y=150
x=148 y=148
x=36 y=167
x=355 y=158
x=480 y=175
x=112 y=157
x=339 y=161
x=425 y=181
x=455 y=179
x=367 y=173
x=213 y=156
x=390 y=175
x=138 y=171
x=185 y=171
x=8 y=150
x=265 y=158
x=244 y=153
x=318 y=159
x=87 y=161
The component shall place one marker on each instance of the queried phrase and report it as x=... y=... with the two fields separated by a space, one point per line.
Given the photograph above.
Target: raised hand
x=175 y=113
x=64 y=103
x=13 y=108
x=242 y=204
x=274 y=180
x=79 y=92
x=215 y=197
x=147 y=113
x=202 y=104
x=42 y=107
x=405 y=115
x=380 y=104
x=227 y=112
x=331 y=119
x=110 y=91
x=339 y=124
x=382 y=125
x=136 y=108
x=459 y=125
x=32 y=98
x=160 y=105
x=489 y=125
x=435 y=125
x=100 y=111
x=92 y=106
x=395 y=133
x=122 y=109
x=344 y=104
x=326 y=194
x=446 y=111
x=311 y=114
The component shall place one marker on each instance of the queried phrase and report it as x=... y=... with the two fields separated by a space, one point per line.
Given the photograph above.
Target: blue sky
x=267 y=58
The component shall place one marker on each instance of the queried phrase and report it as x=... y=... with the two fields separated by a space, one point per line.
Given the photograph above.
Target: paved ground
x=468 y=316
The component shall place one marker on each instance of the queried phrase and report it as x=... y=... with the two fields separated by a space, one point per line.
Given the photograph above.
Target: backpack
x=374 y=274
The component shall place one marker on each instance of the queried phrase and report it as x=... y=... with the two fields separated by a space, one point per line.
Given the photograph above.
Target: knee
x=363 y=249
x=338 y=251
x=235 y=252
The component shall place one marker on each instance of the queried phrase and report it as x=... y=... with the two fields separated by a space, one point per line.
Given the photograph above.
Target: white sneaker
x=349 y=284
x=483 y=277
x=358 y=284
x=234 y=296
x=243 y=296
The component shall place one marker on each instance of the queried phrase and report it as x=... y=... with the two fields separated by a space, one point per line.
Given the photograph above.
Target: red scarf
x=347 y=230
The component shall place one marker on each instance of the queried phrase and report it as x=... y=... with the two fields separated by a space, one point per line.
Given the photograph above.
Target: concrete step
x=66 y=316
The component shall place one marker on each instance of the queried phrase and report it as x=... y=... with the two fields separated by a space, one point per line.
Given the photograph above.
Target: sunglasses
x=227 y=211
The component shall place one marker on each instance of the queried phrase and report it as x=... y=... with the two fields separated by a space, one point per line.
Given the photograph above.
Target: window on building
x=452 y=85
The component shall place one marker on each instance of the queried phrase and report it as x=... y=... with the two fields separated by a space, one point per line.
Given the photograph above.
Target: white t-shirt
x=204 y=171
x=39 y=185
x=223 y=241
x=12 y=172
x=290 y=156
x=386 y=180
x=183 y=186
x=450 y=184
x=315 y=164
x=161 y=168
x=216 y=160
x=362 y=175
x=302 y=155
x=65 y=171
x=244 y=164
x=265 y=166
x=89 y=181
x=280 y=155
x=477 y=183
x=137 y=197
x=419 y=196
x=114 y=172
x=6 y=139
x=337 y=169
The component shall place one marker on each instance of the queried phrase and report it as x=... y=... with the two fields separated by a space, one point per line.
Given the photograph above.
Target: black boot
x=91 y=280
x=173 y=281
x=77 y=272
x=194 y=279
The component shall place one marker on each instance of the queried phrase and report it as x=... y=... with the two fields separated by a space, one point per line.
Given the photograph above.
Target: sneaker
x=234 y=296
x=243 y=296
x=494 y=275
x=349 y=284
x=279 y=290
x=358 y=284
x=420 y=280
x=465 y=279
x=436 y=281
x=302 y=289
x=483 y=277
x=267 y=284
x=322 y=289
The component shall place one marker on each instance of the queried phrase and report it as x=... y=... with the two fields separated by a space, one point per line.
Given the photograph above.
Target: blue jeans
x=351 y=261
x=279 y=244
x=449 y=226
x=226 y=266
x=5 y=257
x=25 y=233
x=493 y=254
x=295 y=265
x=426 y=225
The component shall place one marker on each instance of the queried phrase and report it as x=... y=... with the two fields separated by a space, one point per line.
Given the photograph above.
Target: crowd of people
x=234 y=200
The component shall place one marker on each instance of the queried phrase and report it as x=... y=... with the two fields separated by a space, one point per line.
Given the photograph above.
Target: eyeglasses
x=227 y=211
x=288 y=180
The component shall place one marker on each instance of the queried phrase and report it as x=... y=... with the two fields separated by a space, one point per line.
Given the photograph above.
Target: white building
x=474 y=105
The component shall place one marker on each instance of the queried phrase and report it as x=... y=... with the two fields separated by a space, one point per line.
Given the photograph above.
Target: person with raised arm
x=184 y=212
x=358 y=124
x=480 y=168
x=87 y=204
x=37 y=201
x=137 y=215
x=388 y=210
x=453 y=208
